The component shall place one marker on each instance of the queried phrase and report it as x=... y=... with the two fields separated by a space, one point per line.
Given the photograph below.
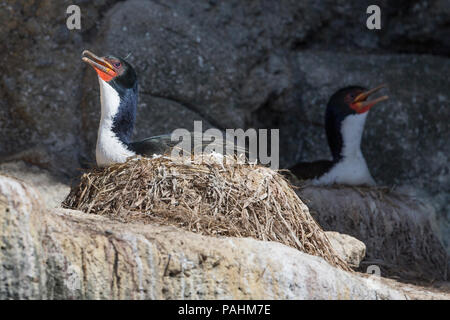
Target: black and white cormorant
x=118 y=98
x=345 y=117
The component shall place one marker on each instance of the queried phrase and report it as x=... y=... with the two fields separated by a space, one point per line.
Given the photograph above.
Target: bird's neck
x=344 y=135
x=344 y=139
x=118 y=110
x=352 y=128
x=118 y=113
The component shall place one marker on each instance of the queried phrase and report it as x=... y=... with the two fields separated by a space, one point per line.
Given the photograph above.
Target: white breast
x=352 y=169
x=109 y=148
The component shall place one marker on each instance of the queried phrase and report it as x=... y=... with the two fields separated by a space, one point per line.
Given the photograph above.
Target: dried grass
x=212 y=198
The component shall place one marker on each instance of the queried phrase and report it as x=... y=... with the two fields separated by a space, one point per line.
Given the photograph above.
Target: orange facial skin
x=104 y=68
x=360 y=103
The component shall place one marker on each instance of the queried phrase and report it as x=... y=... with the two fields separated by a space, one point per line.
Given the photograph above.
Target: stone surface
x=40 y=78
x=22 y=272
x=234 y=64
x=347 y=247
x=399 y=231
x=64 y=254
x=53 y=190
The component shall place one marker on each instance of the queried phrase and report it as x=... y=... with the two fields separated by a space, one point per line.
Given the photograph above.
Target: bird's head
x=115 y=71
x=345 y=117
x=354 y=100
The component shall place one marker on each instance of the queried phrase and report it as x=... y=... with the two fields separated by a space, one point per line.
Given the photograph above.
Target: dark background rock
x=234 y=64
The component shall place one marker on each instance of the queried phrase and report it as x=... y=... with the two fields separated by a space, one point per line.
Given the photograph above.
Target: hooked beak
x=360 y=103
x=104 y=69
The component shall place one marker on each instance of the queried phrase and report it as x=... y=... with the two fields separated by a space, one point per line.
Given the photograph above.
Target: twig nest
x=214 y=197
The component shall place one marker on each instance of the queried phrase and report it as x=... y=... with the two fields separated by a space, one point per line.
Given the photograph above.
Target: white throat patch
x=352 y=168
x=109 y=148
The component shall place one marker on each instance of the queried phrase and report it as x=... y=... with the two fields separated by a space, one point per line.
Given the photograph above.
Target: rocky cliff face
x=233 y=64
x=65 y=254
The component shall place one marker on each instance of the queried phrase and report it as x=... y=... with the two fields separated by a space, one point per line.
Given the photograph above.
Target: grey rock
x=40 y=106
x=347 y=247
x=66 y=254
x=53 y=190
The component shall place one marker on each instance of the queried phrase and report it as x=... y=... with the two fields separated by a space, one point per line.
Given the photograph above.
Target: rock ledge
x=65 y=254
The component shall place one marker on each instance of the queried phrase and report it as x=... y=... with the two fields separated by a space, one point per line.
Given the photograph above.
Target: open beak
x=104 y=69
x=361 y=104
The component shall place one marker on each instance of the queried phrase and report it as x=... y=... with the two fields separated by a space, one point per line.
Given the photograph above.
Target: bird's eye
x=117 y=64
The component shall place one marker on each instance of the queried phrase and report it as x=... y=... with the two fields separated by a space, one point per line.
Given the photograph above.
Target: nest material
x=212 y=198
x=399 y=230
